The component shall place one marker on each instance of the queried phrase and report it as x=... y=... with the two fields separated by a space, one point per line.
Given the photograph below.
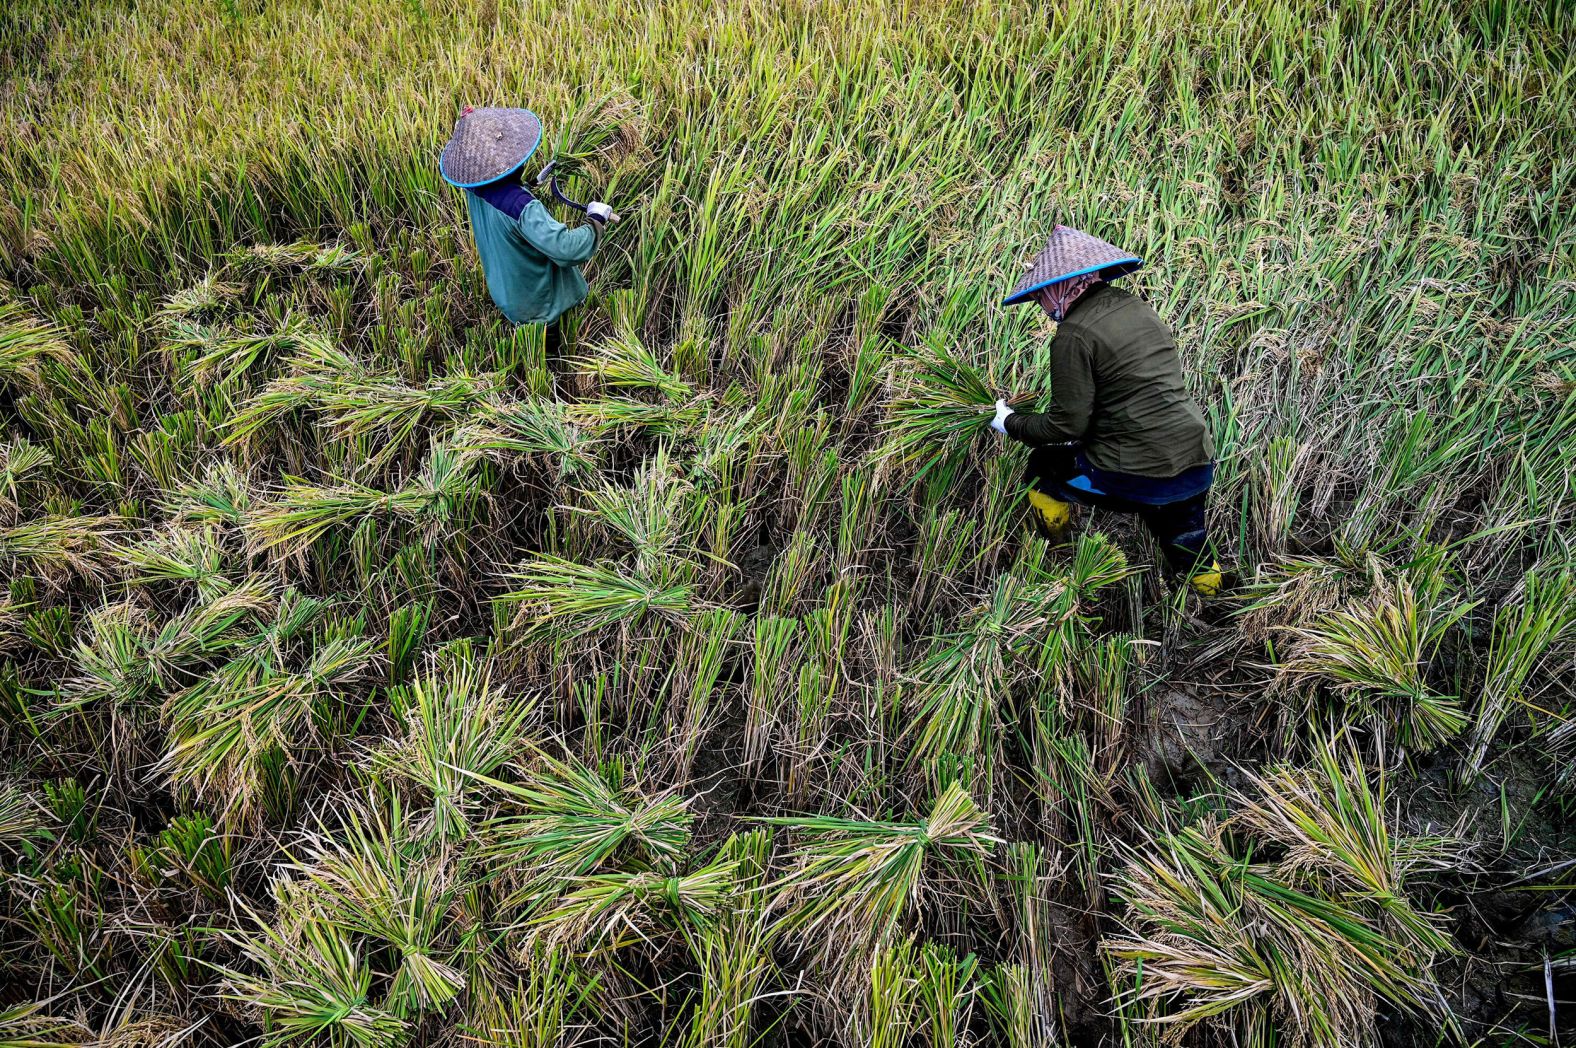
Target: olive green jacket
x=532 y=263
x=1116 y=386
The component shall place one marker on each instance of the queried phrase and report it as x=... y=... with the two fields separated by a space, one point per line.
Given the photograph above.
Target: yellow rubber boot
x=1051 y=515
x=1209 y=582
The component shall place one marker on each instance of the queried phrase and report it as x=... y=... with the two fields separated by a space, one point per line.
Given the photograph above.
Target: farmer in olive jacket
x=531 y=261
x=1121 y=431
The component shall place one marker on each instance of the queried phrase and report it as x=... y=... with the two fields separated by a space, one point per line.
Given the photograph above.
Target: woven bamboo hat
x=488 y=144
x=1072 y=253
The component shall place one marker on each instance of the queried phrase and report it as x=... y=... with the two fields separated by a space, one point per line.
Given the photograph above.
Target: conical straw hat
x=1072 y=253
x=488 y=144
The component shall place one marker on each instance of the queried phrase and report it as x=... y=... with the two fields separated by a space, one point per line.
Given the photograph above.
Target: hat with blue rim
x=488 y=144
x=1071 y=253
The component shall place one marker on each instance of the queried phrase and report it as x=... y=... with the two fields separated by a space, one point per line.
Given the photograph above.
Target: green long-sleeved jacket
x=533 y=262
x=1116 y=386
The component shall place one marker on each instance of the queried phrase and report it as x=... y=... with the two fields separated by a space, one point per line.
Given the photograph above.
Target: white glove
x=999 y=423
x=599 y=212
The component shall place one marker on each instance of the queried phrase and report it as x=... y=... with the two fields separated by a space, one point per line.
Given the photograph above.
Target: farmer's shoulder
x=1098 y=305
x=1113 y=315
x=535 y=215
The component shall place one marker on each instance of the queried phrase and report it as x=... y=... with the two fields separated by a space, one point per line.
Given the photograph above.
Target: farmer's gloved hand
x=599 y=212
x=999 y=423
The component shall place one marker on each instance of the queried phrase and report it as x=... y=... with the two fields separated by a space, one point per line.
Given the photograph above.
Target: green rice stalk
x=366 y=878
x=81 y=545
x=25 y=343
x=568 y=820
x=889 y=1016
x=1377 y=653
x=569 y=599
x=734 y=955
x=314 y=990
x=946 y=993
x=851 y=881
x=1524 y=636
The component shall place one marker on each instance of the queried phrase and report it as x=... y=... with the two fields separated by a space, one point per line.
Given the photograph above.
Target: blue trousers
x=1172 y=508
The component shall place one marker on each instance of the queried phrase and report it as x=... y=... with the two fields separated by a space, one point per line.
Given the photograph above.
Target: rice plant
x=959 y=688
x=889 y=1017
x=1334 y=827
x=365 y=879
x=946 y=401
x=1378 y=651
x=625 y=363
x=231 y=729
x=460 y=729
x=1306 y=943
x=19 y=461
x=554 y=998
x=525 y=428
x=852 y=881
x=26 y=342
x=1525 y=636
x=192 y=556
x=946 y=996
x=1022 y=994
x=193 y=844
x=22 y=1025
x=573 y=598
x=19 y=818
x=58 y=545
x=1009 y=999
x=429 y=502
x=601 y=911
x=734 y=953
x=212 y=355
x=570 y=820
x=313 y=991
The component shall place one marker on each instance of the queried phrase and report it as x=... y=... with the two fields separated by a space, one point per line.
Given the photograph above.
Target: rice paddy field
x=373 y=673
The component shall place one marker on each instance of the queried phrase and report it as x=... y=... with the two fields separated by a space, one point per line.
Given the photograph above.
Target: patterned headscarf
x=1060 y=296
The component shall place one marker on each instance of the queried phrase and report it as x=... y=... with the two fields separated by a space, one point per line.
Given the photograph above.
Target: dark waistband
x=1155 y=491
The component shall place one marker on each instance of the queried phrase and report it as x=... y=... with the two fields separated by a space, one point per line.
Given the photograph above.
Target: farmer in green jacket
x=1121 y=431
x=531 y=261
